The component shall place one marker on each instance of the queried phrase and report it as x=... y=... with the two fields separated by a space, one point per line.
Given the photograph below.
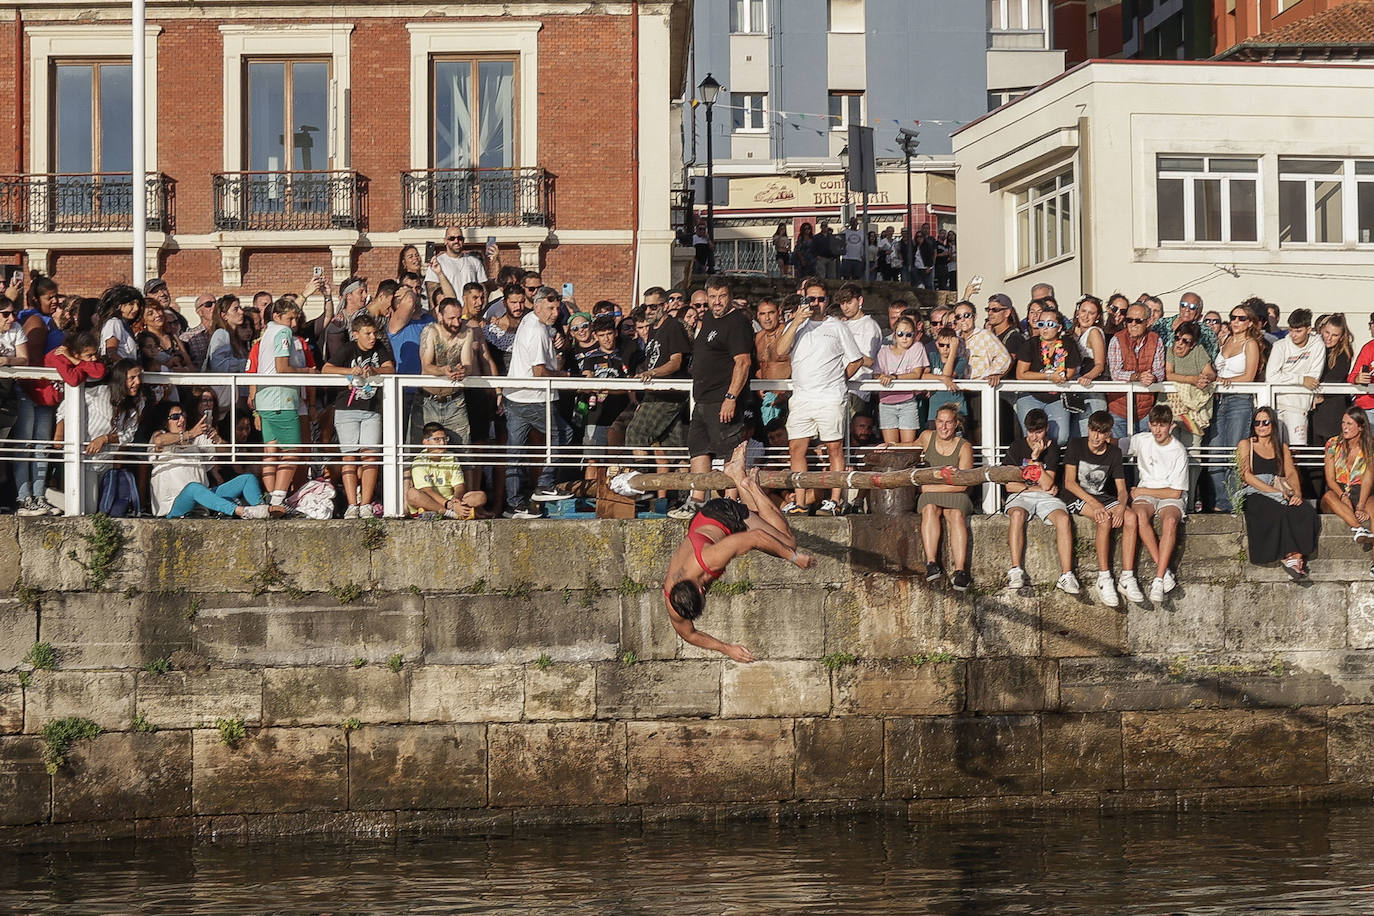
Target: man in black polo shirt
x=722 y=356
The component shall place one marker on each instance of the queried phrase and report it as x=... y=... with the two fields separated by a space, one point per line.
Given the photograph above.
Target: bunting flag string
x=787 y=116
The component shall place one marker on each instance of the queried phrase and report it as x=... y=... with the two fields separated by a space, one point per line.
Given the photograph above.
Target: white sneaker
x=1068 y=583
x=351 y=512
x=1157 y=590
x=1016 y=578
x=1130 y=587
x=1362 y=536
x=549 y=495
x=828 y=507
x=1170 y=582
x=686 y=509
x=1107 y=590
x=365 y=510
x=42 y=504
x=29 y=508
x=255 y=512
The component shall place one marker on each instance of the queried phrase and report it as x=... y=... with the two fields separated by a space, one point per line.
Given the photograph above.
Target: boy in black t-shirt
x=358 y=411
x=605 y=360
x=1038 y=499
x=1095 y=478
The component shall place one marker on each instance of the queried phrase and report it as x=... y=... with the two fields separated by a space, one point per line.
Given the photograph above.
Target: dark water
x=1310 y=861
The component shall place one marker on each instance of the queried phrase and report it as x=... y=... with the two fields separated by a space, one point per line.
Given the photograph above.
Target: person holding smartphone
x=1362 y=373
x=180 y=481
x=460 y=267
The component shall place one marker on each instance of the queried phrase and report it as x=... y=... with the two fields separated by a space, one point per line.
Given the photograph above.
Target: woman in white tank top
x=1238 y=360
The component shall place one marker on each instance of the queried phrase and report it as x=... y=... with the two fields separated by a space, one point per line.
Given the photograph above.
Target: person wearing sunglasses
x=1238 y=360
x=902 y=360
x=1189 y=309
x=1279 y=524
x=180 y=481
x=460 y=267
x=1135 y=355
x=1114 y=318
x=1048 y=356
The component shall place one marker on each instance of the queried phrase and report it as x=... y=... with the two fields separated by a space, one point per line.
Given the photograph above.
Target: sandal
x=1295 y=567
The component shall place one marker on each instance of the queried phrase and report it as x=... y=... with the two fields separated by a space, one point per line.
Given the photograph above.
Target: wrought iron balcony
x=477 y=197
x=285 y=201
x=82 y=202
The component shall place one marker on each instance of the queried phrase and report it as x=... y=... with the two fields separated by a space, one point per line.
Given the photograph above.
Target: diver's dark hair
x=686 y=599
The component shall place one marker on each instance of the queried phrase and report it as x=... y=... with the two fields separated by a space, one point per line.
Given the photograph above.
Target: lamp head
x=709 y=89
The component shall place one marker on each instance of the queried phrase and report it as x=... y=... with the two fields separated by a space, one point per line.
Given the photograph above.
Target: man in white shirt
x=824 y=358
x=1298 y=358
x=1162 y=463
x=868 y=336
x=460 y=267
x=533 y=355
x=852 y=263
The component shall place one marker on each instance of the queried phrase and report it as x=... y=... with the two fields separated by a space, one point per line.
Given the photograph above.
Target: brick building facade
x=543 y=124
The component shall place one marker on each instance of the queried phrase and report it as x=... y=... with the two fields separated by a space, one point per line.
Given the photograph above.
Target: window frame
x=1004 y=7
x=95 y=64
x=741 y=107
x=476 y=60
x=1189 y=179
x=288 y=105
x=742 y=12
x=844 y=122
x=1067 y=197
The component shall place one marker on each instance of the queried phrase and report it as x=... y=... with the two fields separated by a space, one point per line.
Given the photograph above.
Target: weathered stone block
x=177 y=553
x=496 y=628
x=1073 y=627
x=25 y=796
x=1194 y=625
x=552 y=555
x=560 y=692
x=90 y=630
x=461 y=693
x=1199 y=748
x=775 y=688
x=328 y=696
x=645 y=628
x=1097 y=684
x=1350 y=744
x=653 y=690
x=274 y=629
x=193 y=699
x=1321 y=678
x=454 y=556
x=272 y=770
x=560 y=763
x=312 y=555
x=11 y=705
x=991 y=556
x=771 y=622
x=649 y=545
x=961 y=756
x=885 y=547
x=1012 y=684
x=417 y=766
x=839 y=758
x=1260 y=620
x=125 y=776
x=47 y=545
x=886 y=617
x=827 y=539
x=721 y=761
x=9 y=553
x=1008 y=624
x=18 y=631
x=1081 y=751
x=1359 y=603
x=900 y=688
x=105 y=697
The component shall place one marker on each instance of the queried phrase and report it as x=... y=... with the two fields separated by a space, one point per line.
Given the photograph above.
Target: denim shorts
x=902 y=415
x=356 y=429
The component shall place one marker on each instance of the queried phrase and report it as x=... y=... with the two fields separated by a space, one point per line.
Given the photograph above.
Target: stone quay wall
x=403 y=677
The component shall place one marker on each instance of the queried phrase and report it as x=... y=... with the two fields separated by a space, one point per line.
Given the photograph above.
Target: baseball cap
x=154 y=285
x=1001 y=299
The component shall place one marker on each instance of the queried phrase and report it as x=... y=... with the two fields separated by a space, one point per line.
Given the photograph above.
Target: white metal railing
x=985 y=403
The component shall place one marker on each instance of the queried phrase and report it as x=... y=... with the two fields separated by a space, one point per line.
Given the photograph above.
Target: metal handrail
x=396 y=452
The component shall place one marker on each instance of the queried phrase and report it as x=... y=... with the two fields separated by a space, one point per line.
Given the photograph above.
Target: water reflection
x=1310 y=861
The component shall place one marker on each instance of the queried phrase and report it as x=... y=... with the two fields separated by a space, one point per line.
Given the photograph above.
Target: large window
x=474 y=113
x=1207 y=199
x=746 y=109
x=746 y=16
x=1016 y=15
x=1044 y=220
x=93 y=119
x=846 y=108
x=287 y=117
x=1311 y=201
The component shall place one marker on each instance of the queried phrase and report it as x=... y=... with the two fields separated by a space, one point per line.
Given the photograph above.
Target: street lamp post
x=907 y=140
x=710 y=90
x=844 y=170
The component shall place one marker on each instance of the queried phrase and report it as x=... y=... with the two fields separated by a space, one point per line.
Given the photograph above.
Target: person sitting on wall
x=1039 y=498
x=1095 y=480
x=180 y=480
x=1163 y=465
x=722 y=530
x=437 y=484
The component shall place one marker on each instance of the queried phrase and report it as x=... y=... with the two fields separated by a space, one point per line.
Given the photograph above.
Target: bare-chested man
x=453 y=349
x=720 y=531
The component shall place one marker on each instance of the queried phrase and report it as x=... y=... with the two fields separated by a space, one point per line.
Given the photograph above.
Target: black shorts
x=708 y=436
x=732 y=514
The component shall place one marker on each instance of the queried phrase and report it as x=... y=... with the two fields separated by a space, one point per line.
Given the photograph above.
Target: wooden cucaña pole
x=853 y=480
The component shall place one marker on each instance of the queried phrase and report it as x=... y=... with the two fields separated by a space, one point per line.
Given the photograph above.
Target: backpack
x=119 y=494
x=315 y=499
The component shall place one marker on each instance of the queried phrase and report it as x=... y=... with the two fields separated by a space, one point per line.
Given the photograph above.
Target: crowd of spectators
x=463 y=315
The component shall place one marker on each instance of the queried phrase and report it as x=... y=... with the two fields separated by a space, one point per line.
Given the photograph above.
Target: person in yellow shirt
x=437 y=486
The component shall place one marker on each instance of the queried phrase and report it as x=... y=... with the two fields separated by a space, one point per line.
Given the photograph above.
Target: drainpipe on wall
x=634 y=127
x=19 y=96
x=1085 y=247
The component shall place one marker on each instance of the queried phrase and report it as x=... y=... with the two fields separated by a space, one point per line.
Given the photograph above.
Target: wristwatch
x=729 y=396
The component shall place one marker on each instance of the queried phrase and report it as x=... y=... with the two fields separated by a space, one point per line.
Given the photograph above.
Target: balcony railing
x=477 y=197
x=284 y=201
x=82 y=202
